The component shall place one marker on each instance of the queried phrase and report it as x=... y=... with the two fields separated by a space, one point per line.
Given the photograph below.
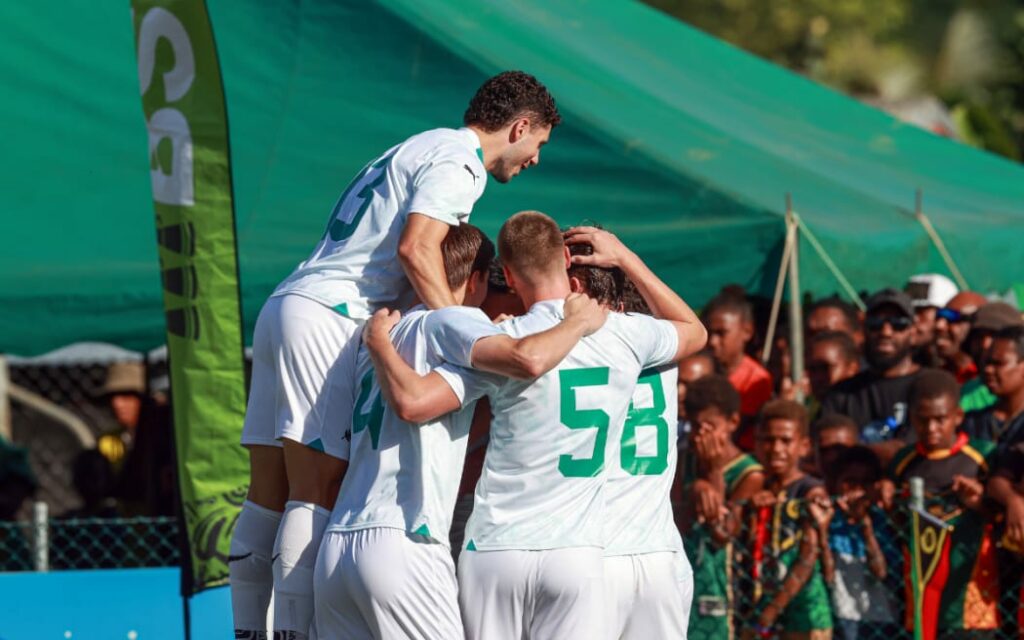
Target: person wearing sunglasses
x=876 y=398
x=952 y=324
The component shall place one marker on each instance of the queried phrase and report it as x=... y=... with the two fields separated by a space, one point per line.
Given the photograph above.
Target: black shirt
x=868 y=397
x=984 y=425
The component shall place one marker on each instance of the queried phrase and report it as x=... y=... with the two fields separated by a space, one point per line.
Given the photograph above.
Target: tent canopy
x=681 y=144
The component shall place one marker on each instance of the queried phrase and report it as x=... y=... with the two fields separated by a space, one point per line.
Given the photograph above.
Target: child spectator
x=990 y=319
x=730 y=323
x=789 y=531
x=1003 y=372
x=832 y=356
x=962 y=592
x=834 y=314
x=832 y=434
x=858 y=536
x=725 y=476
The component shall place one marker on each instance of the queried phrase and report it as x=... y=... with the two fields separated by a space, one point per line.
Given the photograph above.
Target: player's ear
x=567 y=256
x=733 y=422
x=520 y=127
x=575 y=285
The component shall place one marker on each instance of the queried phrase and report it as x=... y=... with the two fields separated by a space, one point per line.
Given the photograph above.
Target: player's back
x=437 y=173
x=638 y=506
x=543 y=477
x=401 y=475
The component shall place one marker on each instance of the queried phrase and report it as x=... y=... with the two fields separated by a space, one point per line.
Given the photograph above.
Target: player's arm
x=419 y=251
x=608 y=251
x=533 y=356
x=414 y=398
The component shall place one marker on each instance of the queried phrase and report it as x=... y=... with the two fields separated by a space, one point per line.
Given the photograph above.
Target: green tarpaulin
x=683 y=145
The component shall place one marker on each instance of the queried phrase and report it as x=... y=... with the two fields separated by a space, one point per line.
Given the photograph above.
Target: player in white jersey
x=381 y=247
x=384 y=568
x=647 y=576
x=532 y=565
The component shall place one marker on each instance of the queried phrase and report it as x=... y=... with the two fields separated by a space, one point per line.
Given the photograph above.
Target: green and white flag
x=183 y=101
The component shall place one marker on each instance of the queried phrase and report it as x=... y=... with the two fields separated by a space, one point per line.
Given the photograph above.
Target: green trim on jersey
x=424 y=531
x=342 y=309
x=739 y=468
x=471 y=546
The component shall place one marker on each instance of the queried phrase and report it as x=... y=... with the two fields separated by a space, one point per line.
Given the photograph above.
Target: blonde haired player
x=381 y=247
x=532 y=565
x=385 y=569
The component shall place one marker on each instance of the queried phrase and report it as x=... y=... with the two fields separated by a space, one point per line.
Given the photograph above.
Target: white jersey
x=638 y=505
x=544 y=473
x=355 y=267
x=407 y=476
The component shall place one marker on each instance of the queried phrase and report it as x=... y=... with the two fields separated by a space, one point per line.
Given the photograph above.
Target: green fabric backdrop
x=683 y=145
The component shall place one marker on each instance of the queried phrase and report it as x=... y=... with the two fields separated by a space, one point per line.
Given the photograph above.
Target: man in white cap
x=929 y=293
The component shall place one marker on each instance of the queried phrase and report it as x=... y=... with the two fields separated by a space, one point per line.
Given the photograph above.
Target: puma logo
x=466 y=167
x=241 y=557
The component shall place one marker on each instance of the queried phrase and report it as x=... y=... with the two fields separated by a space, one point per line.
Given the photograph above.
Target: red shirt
x=754 y=384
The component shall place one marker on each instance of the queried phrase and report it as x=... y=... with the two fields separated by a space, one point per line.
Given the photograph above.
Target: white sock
x=295 y=549
x=250 y=575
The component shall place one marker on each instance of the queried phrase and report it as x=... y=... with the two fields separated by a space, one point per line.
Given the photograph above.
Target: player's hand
x=608 y=250
x=711 y=446
x=969 y=491
x=378 y=328
x=582 y=308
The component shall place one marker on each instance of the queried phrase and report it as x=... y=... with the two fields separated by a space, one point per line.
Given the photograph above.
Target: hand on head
x=608 y=250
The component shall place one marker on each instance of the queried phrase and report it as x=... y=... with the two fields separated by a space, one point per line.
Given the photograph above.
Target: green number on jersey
x=368 y=417
x=575 y=418
x=339 y=229
x=649 y=416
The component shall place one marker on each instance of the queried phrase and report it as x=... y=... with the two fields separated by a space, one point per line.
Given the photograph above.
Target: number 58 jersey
x=542 y=485
x=354 y=268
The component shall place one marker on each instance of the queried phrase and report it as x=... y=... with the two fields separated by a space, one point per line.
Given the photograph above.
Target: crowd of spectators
x=795 y=493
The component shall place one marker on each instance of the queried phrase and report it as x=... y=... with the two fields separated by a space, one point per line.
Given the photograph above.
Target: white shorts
x=647 y=596
x=303 y=364
x=385 y=583
x=531 y=595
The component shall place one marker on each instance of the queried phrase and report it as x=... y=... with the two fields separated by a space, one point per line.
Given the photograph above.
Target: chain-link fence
x=772 y=574
x=88 y=543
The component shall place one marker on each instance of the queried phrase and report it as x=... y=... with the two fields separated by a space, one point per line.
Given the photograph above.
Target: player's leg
x=315 y=344
x=249 y=561
x=664 y=594
x=619 y=592
x=338 y=606
x=405 y=584
x=568 y=599
x=494 y=589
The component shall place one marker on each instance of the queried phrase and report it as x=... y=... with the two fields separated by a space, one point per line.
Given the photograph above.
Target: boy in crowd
x=832 y=356
x=1003 y=373
x=832 y=434
x=730 y=322
x=990 y=319
x=789 y=531
x=961 y=593
x=834 y=314
x=724 y=477
x=859 y=536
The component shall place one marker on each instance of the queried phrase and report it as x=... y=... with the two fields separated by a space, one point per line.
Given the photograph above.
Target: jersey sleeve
x=467 y=384
x=451 y=333
x=656 y=341
x=445 y=191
